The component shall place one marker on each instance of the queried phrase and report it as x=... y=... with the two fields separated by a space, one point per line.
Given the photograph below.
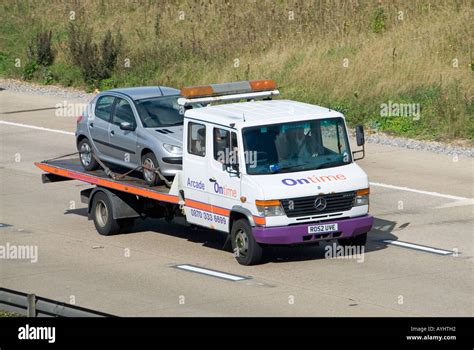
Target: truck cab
x=270 y=172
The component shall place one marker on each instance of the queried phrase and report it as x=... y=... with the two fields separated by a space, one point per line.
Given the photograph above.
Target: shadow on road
x=80 y=212
x=382 y=230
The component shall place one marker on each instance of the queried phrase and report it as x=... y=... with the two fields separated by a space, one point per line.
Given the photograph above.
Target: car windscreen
x=160 y=111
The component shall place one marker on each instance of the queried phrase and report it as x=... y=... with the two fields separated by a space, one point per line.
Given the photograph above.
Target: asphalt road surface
x=422 y=199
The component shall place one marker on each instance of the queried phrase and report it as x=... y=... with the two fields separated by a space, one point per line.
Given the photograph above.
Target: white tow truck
x=265 y=171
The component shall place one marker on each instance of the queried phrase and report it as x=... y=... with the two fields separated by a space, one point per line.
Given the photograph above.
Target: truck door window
x=103 y=107
x=197 y=139
x=331 y=136
x=221 y=145
x=123 y=112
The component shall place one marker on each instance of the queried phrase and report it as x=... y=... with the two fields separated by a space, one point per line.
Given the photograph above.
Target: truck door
x=224 y=180
x=195 y=181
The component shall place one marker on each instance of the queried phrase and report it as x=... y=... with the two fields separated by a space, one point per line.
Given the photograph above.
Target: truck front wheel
x=357 y=241
x=246 y=249
x=102 y=214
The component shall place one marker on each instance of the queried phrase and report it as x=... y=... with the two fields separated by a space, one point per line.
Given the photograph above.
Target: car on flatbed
x=264 y=171
x=131 y=127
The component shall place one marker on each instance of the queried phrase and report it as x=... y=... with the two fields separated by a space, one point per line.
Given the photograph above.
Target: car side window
x=123 y=112
x=103 y=107
x=197 y=139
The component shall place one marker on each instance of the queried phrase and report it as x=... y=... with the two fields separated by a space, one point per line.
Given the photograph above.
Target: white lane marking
x=463 y=203
x=204 y=271
x=435 y=194
x=36 y=127
x=419 y=247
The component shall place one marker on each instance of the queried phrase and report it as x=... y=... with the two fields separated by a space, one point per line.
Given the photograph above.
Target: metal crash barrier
x=31 y=305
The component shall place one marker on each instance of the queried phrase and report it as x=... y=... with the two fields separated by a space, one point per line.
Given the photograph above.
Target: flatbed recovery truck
x=264 y=171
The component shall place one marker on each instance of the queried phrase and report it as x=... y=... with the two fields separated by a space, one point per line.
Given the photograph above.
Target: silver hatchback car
x=131 y=127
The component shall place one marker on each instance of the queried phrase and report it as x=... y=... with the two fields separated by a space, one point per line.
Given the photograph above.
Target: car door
x=123 y=143
x=196 y=174
x=99 y=125
x=225 y=182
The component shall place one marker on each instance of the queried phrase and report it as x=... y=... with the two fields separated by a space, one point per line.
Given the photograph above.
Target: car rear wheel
x=149 y=161
x=85 y=155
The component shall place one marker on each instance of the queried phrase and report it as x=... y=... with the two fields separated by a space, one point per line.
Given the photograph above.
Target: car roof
x=260 y=112
x=142 y=92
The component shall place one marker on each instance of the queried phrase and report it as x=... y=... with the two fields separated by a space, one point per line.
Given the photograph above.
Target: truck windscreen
x=296 y=146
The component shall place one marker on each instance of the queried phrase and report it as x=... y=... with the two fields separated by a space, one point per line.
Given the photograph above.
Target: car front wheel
x=149 y=162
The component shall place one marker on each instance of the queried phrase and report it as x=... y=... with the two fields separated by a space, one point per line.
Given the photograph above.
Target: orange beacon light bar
x=230 y=91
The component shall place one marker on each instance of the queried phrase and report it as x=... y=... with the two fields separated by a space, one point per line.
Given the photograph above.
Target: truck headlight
x=173 y=149
x=362 y=197
x=269 y=208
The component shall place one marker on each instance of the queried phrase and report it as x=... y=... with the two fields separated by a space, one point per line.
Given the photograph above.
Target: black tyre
x=102 y=214
x=246 y=249
x=357 y=241
x=87 y=160
x=149 y=160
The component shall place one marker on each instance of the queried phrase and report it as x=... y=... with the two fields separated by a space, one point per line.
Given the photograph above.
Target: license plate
x=322 y=228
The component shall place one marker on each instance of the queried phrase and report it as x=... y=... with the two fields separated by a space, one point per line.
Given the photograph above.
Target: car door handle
x=112 y=133
x=91 y=125
x=212 y=179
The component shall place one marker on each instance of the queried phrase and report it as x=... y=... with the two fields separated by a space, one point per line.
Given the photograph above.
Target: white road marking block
x=418 y=247
x=36 y=127
x=213 y=273
x=435 y=194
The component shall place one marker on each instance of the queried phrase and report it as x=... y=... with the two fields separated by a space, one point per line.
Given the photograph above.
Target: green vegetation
x=353 y=56
x=9 y=314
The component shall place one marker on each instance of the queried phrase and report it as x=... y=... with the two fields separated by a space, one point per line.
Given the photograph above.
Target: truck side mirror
x=360 y=135
x=232 y=169
x=360 y=138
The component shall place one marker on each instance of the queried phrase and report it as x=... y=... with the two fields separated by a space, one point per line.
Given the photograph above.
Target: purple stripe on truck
x=294 y=234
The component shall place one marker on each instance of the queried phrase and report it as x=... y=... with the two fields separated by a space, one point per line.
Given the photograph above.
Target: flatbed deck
x=71 y=169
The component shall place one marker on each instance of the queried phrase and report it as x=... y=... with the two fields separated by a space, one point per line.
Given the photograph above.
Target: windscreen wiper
x=279 y=170
x=331 y=164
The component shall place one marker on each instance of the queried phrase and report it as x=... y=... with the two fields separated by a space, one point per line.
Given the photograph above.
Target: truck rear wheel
x=102 y=214
x=357 y=241
x=246 y=249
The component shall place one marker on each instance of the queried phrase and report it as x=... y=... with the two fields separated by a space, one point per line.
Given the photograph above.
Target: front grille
x=304 y=206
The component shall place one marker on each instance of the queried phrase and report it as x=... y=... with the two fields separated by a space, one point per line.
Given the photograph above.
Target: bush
x=378 y=20
x=40 y=49
x=29 y=70
x=96 y=62
x=48 y=76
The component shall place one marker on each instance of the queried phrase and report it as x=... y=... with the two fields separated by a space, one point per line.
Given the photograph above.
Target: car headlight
x=173 y=149
x=269 y=208
x=362 y=197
